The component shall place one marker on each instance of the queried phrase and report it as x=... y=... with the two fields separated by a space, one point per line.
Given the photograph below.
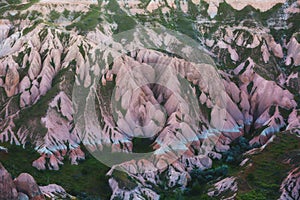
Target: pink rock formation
x=246 y=38
x=40 y=163
x=24 y=187
x=226 y=185
x=26 y=184
x=257 y=4
x=239 y=5
x=294 y=122
x=293 y=52
x=54 y=191
x=291 y=186
x=151 y=6
x=136 y=193
x=7 y=187
x=237 y=102
x=263 y=95
x=5 y=26
x=11 y=79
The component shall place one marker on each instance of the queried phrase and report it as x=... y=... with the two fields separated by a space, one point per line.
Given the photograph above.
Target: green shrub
x=54 y=15
x=252 y=195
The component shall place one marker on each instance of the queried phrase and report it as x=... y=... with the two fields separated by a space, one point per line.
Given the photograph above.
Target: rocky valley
x=149 y=99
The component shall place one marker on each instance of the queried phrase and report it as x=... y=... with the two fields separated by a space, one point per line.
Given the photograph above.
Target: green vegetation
x=142 y=145
x=88 y=21
x=85 y=181
x=81 y=50
x=264 y=177
x=66 y=13
x=54 y=15
x=260 y=181
x=33 y=15
x=30 y=28
x=232 y=16
x=14 y=1
x=174 y=20
x=235 y=154
x=124 y=21
x=252 y=195
x=124 y=180
x=15 y=5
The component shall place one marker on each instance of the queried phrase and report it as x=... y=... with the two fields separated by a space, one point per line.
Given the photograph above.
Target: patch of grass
x=30 y=28
x=81 y=50
x=252 y=195
x=54 y=15
x=124 y=21
x=124 y=180
x=66 y=13
x=14 y=1
x=226 y=12
x=33 y=15
x=88 y=21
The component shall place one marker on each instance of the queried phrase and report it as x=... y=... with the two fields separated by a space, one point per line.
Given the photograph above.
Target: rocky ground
x=205 y=82
x=25 y=187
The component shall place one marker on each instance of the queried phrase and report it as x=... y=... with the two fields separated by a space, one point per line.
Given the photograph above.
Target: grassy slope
x=262 y=180
x=88 y=179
